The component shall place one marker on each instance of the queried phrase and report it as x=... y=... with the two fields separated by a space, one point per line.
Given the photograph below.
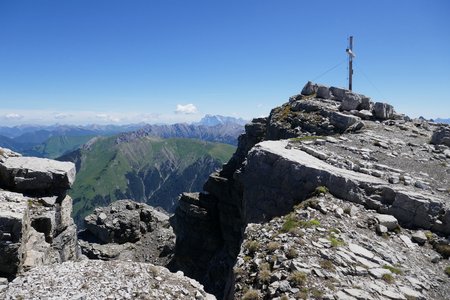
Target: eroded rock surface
x=94 y=279
x=360 y=151
x=127 y=230
x=35 y=230
x=327 y=248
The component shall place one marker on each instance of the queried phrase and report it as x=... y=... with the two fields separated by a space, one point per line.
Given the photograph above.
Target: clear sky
x=85 y=61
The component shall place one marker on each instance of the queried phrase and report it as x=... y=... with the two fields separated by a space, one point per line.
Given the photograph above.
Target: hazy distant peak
x=213 y=120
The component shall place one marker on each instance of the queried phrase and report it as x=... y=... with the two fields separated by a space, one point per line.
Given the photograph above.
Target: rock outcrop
x=360 y=151
x=127 y=230
x=36 y=227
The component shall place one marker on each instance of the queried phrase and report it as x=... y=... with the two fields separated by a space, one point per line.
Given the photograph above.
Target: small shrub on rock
x=272 y=246
x=320 y=190
x=252 y=246
x=298 y=278
x=264 y=276
x=388 y=278
x=251 y=295
x=291 y=253
x=393 y=269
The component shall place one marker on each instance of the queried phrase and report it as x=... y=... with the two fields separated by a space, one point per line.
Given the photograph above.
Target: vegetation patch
x=252 y=246
x=251 y=295
x=264 y=276
x=447 y=271
x=321 y=190
x=292 y=253
x=393 y=269
x=327 y=264
x=443 y=249
x=298 y=278
x=272 y=246
x=388 y=278
x=336 y=242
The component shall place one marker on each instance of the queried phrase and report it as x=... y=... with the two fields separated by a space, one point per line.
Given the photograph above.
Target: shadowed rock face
x=127 y=230
x=35 y=230
x=362 y=152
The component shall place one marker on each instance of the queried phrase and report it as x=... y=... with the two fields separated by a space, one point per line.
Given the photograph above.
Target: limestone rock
x=390 y=222
x=441 y=136
x=309 y=89
x=36 y=175
x=323 y=92
x=342 y=121
x=127 y=230
x=383 y=111
x=351 y=101
x=94 y=279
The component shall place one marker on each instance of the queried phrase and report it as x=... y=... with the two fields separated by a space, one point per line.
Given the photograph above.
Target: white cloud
x=60 y=116
x=108 y=118
x=186 y=109
x=13 y=116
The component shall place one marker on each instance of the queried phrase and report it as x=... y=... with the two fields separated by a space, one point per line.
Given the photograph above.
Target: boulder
x=342 y=121
x=351 y=101
x=323 y=92
x=338 y=94
x=36 y=175
x=441 y=136
x=366 y=103
x=383 y=111
x=390 y=222
x=309 y=89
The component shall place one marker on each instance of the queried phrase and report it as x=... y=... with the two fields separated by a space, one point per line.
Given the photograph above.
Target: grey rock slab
x=342 y=121
x=270 y=164
x=358 y=294
x=383 y=111
x=419 y=237
x=390 y=222
x=379 y=272
x=393 y=295
x=411 y=294
x=360 y=251
x=32 y=174
x=441 y=136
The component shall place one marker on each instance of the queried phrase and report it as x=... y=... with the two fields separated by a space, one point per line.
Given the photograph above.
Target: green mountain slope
x=56 y=146
x=150 y=170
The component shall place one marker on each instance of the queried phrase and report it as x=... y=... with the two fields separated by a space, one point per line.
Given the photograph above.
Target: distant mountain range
x=210 y=120
x=145 y=169
x=56 y=140
x=439 y=120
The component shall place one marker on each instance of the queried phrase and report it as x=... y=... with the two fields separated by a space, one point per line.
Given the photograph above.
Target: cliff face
x=36 y=227
x=360 y=151
x=40 y=256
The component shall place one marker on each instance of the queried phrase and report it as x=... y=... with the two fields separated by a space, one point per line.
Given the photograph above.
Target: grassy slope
x=104 y=167
x=59 y=145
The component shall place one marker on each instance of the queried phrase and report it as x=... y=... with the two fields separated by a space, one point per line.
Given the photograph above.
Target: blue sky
x=84 y=61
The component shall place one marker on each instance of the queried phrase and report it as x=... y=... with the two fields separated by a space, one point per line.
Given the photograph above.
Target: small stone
x=419 y=237
x=387 y=220
x=360 y=251
x=380 y=229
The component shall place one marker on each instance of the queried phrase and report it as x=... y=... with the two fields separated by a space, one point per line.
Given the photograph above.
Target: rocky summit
x=386 y=180
x=331 y=196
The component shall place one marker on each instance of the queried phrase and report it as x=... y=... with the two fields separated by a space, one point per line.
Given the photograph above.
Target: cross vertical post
x=350 y=62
